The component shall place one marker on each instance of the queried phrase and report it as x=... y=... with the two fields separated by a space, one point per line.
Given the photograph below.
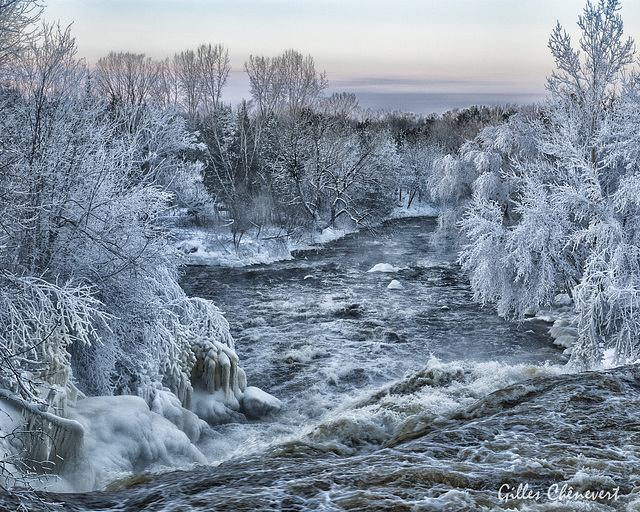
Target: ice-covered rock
x=384 y=267
x=257 y=403
x=395 y=285
x=564 y=331
x=215 y=408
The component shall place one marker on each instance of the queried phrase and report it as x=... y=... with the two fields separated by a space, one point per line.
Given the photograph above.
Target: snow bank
x=269 y=245
x=417 y=209
x=564 y=330
x=331 y=234
x=201 y=249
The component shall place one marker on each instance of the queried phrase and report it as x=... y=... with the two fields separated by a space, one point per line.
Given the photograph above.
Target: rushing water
x=398 y=399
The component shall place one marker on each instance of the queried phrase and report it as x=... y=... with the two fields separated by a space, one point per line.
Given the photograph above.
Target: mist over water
x=397 y=399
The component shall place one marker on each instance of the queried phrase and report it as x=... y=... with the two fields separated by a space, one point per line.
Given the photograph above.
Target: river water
x=407 y=399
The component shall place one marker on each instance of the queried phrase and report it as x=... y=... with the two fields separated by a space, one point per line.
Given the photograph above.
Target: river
x=407 y=398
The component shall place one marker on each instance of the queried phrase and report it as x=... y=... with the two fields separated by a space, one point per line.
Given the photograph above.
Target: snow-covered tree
x=88 y=274
x=417 y=160
x=567 y=223
x=17 y=19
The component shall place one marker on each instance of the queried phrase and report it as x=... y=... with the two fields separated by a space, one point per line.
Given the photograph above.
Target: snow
x=417 y=209
x=395 y=285
x=330 y=234
x=167 y=405
x=609 y=358
x=202 y=247
x=215 y=408
x=123 y=436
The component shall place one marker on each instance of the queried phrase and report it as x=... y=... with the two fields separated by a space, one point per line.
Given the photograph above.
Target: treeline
x=291 y=157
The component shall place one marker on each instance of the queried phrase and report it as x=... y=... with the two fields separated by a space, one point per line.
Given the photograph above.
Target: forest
x=100 y=168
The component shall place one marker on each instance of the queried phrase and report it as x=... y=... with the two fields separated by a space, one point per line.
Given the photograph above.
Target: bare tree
x=166 y=90
x=187 y=70
x=286 y=84
x=342 y=106
x=128 y=78
x=265 y=85
x=214 y=64
x=301 y=84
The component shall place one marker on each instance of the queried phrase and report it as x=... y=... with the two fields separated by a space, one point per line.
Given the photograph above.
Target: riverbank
x=217 y=247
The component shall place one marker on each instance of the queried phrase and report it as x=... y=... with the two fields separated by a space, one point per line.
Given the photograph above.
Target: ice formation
x=256 y=403
x=124 y=436
x=89 y=440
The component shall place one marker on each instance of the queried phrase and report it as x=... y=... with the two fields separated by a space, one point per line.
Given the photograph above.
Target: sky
x=419 y=56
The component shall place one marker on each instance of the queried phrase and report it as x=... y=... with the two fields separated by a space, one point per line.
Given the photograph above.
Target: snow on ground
x=416 y=209
x=205 y=247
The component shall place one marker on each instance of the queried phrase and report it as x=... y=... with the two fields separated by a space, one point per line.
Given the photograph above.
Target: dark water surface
x=405 y=399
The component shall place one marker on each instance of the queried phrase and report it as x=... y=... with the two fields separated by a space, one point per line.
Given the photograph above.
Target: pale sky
x=421 y=56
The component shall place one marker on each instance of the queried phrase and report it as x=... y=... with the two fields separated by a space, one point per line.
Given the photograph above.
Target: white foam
x=406 y=405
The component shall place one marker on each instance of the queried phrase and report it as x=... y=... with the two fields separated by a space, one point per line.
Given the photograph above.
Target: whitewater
x=398 y=392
